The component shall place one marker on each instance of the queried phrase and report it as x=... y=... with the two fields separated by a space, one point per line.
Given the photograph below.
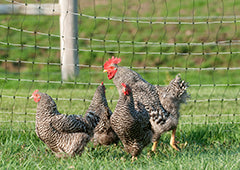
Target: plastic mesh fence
x=158 y=39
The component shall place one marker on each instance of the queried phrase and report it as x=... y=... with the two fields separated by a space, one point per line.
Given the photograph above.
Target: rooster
x=145 y=96
x=171 y=97
x=63 y=134
x=103 y=132
x=132 y=126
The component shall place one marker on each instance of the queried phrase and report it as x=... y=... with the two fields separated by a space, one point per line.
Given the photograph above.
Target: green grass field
x=209 y=126
x=202 y=147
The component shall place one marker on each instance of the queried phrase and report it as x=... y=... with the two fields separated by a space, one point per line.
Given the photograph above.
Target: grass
x=125 y=31
x=202 y=147
x=204 y=106
x=208 y=132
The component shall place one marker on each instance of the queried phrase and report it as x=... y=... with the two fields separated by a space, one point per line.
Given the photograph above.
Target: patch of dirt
x=13 y=67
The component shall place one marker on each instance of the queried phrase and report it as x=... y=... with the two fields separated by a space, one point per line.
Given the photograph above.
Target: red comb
x=125 y=89
x=36 y=91
x=102 y=83
x=112 y=61
x=124 y=85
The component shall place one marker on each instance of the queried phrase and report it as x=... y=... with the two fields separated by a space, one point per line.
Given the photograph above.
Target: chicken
x=63 y=134
x=103 y=132
x=171 y=97
x=132 y=126
x=99 y=101
x=145 y=95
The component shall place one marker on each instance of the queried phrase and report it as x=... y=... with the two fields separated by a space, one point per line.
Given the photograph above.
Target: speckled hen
x=132 y=126
x=63 y=134
x=103 y=132
x=145 y=95
x=171 y=97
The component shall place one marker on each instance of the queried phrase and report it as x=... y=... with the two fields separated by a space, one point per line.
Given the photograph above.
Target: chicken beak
x=105 y=71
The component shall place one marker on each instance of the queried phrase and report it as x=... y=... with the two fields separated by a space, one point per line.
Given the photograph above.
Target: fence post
x=68 y=38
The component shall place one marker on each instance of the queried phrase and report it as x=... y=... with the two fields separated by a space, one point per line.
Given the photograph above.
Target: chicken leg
x=134 y=158
x=172 y=141
x=154 y=147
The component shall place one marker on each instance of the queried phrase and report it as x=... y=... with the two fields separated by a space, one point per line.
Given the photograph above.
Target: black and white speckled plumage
x=132 y=126
x=171 y=97
x=145 y=95
x=103 y=133
x=62 y=133
x=99 y=101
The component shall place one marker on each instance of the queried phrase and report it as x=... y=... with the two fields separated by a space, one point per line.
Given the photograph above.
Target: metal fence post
x=68 y=38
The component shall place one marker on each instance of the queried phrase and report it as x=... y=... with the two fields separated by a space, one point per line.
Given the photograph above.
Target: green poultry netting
x=158 y=39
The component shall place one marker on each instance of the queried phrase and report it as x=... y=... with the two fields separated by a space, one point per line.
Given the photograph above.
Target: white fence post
x=68 y=39
x=68 y=29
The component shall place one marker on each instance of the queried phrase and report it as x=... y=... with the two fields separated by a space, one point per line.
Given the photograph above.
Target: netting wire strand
x=105 y=56
x=189 y=56
x=214 y=65
x=217 y=37
x=134 y=44
x=20 y=60
x=134 y=67
x=135 y=34
x=92 y=34
x=50 y=46
x=235 y=35
x=161 y=22
x=15 y=93
x=5 y=66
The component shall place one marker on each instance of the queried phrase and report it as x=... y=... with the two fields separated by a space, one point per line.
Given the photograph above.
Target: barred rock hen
x=99 y=101
x=132 y=127
x=61 y=133
x=171 y=97
x=103 y=132
x=145 y=95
